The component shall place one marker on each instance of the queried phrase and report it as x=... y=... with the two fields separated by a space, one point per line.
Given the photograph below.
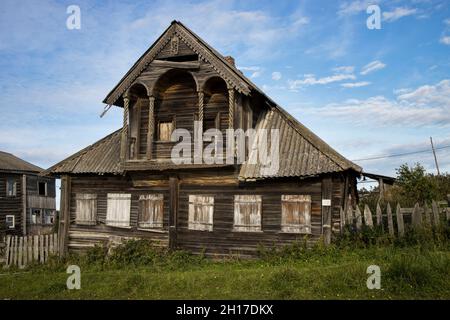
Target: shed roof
x=11 y=163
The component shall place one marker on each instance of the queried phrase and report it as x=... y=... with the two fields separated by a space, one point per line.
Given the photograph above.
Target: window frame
x=240 y=200
x=37 y=222
x=155 y=200
x=11 y=181
x=158 y=133
x=13 y=221
x=124 y=223
x=195 y=224
x=302 y=200
x=79 y=198
x=45 y=188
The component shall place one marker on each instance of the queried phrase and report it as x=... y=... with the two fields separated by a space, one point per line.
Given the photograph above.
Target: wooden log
x=327 y=193
x=400 y=225
x=342 y=218
x=435 y=210
x=20 y=260
x=368 y=216
x=36 y=248
x=427 y=215
x=379 y=215
x=358 y=218
x=349 y=213
x=416 y=216
x=7 y=252
x=389 y=217
x=41 y=248
x=25 y=250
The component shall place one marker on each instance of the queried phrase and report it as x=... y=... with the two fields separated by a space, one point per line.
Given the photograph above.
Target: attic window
x=42 y=188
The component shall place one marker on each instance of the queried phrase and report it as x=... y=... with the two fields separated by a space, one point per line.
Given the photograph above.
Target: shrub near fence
x=413 y=217
x=22 y=251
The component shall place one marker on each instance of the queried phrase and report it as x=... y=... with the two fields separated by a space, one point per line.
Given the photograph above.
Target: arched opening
x=215 y=113
x=176 y=106
x=138 y=121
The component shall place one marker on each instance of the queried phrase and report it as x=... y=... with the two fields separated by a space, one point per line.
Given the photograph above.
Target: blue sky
x=365 y=92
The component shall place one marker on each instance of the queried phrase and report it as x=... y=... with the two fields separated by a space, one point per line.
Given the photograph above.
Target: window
x=42 y=188
x=296 y=213
x=247 y=213
x=86 y=209
x=36 y=216
x=151 y=211
x=201 y=209
x=165 y=131
x=11 y=187
x=10 y=222
x=118 y=210
x=49 y=216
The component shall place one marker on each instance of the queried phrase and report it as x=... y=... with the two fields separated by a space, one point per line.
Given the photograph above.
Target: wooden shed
x=127 y=185
x=27 y=200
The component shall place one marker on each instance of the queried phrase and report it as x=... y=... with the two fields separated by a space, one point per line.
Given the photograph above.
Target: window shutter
x=86 y=210
x=201 y=210
x=151 y=211
x=118 y=210
x=296 y=213
x=247 y=212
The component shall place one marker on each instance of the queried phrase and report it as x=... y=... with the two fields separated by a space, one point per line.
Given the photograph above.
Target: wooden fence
x=394 y=220
x=21 y=251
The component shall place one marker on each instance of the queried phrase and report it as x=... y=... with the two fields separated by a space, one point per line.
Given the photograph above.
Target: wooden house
x=27 y=200
x=127 y=186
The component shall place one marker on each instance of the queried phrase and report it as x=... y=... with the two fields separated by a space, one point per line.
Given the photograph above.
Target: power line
x=401 y=154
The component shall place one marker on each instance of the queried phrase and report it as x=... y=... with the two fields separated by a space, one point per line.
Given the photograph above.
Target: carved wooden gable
x=174 y=48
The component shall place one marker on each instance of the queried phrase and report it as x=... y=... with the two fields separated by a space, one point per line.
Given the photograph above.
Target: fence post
x=358 y=218
x=20 y=262
x=379 y=215
x=416 y=216
x=15 y=251
x=400 y=225
x=368 y=216
x=427 y=214
x=41 y=248
x=7 y=252
x=435 y=209
x=25 y=250
x=389 y=217
x=36 y=248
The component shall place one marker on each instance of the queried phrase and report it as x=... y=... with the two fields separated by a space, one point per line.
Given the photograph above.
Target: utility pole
x=435 y=158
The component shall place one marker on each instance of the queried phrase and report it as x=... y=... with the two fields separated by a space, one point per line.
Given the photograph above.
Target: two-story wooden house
x=27 y=200
x=127 y=184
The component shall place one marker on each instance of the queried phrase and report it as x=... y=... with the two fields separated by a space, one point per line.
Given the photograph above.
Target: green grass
x=410 y=272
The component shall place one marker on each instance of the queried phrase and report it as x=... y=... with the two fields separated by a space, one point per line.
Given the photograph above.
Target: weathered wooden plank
x=379 y=215
x=45 y=247
x=326 y=210
x=50 y=244
x=416 y=216
x=435 y=210
x=400 y=225
x=55 y=244
x=16 y=252
x=389 y=217
x=20 y=249
x=25 y=250
x=30 y=249
x=8 y=251
x=358 y=218
x=41 y=249
x=368 y=216
x=342 y=218
x=36 y=248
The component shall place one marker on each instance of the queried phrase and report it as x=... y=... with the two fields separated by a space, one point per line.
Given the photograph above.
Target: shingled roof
x=11 y=163
x=302 y=152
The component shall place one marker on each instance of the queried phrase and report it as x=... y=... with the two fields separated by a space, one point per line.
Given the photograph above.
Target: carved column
x=201 y=97
x=230 y=108
x=151 y=125
x=124 y=139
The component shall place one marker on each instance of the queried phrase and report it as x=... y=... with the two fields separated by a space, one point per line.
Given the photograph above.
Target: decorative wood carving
x=124 y=141
x=151 y=126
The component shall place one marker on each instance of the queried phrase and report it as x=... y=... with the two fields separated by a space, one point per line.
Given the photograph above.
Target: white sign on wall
x=326 y=202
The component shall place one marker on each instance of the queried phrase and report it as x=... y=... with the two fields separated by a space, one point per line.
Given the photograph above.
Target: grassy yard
x=406 y=273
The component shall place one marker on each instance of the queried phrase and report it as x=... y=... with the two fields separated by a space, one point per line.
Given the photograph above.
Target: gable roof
x=302 y=153
x=11 y=163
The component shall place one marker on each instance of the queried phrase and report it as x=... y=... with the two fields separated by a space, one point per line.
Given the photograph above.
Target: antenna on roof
x=105 y=110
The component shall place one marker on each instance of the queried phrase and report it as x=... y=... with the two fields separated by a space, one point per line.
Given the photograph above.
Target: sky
x=366 y=92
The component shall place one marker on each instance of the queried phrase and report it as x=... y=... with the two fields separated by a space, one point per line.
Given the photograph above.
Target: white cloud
x=428 y=105
x=355 y=84
x=344 y=69
x=445 y=40
x=397 y=13
x=372 y=66
x=310 y=79
x=254 y=71
x=276 y=75
x=355 y=7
